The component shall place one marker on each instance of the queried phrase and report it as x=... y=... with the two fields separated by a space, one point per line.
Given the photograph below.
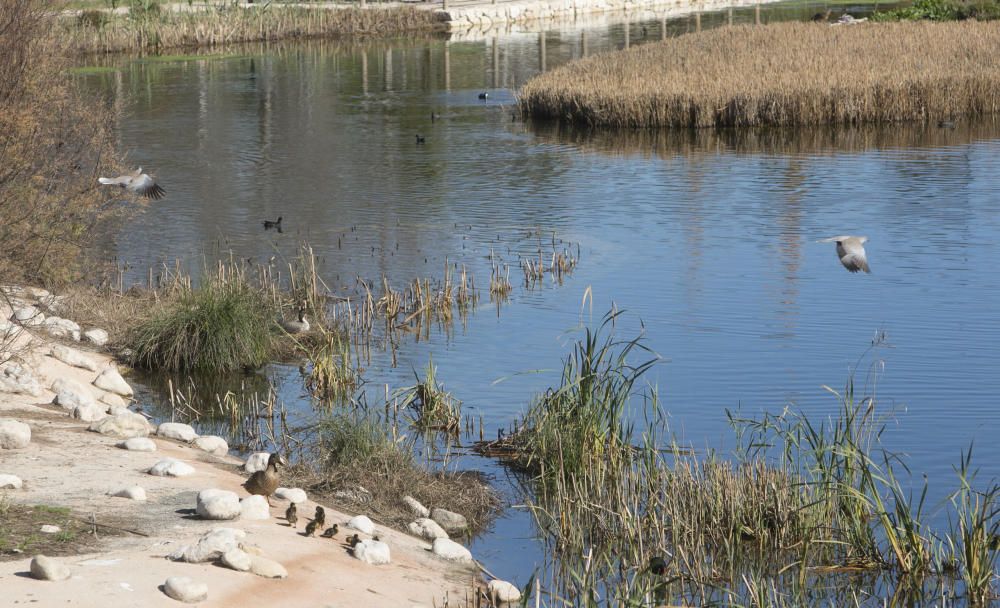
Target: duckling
x=264 y=483
x=484 y=95
x=320 y=515
x=311 y=528
x=291 y=515
x=297 y=327
x=276 y=224
x=353 y=540
x=421 y=139
x=331 y=531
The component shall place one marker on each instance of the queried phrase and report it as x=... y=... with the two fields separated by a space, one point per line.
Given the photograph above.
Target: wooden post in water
x=756 y=14
x=730 y=17
x=387 y=71
x=364 y=71
x=663 y=28
x=628 y=28
x=583 y=43
x=697 y=22
x=447 y=67
x=496 y=62
x=541 y=51
x=444 y=5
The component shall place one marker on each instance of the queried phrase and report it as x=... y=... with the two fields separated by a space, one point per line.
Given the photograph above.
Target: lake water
x=706 y=240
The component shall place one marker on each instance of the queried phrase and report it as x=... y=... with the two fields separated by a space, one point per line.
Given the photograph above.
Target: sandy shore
x=67 y=465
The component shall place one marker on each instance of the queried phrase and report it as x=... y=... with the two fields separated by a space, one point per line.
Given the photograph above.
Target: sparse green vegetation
x=942 y=10
x=431 y=407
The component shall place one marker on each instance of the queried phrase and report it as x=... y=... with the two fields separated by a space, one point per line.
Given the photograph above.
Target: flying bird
x=851 y=251
x=136 y=182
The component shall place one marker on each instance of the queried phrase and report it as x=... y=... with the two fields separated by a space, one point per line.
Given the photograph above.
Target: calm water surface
x=705 y=239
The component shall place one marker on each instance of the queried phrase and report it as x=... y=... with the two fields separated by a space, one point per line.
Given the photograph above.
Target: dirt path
x=66 y=465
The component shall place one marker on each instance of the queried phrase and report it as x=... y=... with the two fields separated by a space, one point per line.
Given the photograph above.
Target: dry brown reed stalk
x=153 y=31
x=54 y=140
x=781 y=74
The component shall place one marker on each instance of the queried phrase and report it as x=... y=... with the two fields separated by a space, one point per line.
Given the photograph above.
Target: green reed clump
x=581 y=424
x=332 y=374
x=780 y=74
x=431 y=407
x=218 y=326
x=975 y=539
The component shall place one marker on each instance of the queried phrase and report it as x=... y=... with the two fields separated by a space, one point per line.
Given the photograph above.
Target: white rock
x=254 y=507
x=127 y=424
x=97 y=337
x=10 y=482
x=28 y=315
x=14 y=434
x=117 y=410
x=111 y=381
x=415 y=507
x=138 y=444
x=374 y=552
x=210 y=546
x=48 y=569
x=256 y=462
x=295 y=495
x=218 y=504
x=50 y=529
x=19 y=379
x=70 y=394
x=450 y=521
x=502 y=591
x=237 y=559
x=212 y=444
x=450 y=550
x=268 y=568
x=113 y=400
x=91 y=412
x=171 y=467
x=62 y=328
x=183 y=589
x=176 y=430
x=130 y=492
x=427 y=528
x=71 y=356
x=362 y=524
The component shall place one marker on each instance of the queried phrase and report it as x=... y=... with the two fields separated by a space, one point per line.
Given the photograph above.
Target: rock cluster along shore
x=94 y=392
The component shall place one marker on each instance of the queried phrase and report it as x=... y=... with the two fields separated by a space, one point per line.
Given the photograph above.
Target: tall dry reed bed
x=782 y=74
x=159 y=28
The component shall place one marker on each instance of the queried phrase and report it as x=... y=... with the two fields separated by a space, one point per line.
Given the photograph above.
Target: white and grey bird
x=299 y=326
x=136 y=182
x=851 y=251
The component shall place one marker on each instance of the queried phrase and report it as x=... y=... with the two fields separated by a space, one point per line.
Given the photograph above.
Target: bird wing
x=144 y=185
x=855 y=261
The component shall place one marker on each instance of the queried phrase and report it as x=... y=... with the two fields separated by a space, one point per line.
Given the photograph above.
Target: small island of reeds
x=782 y=74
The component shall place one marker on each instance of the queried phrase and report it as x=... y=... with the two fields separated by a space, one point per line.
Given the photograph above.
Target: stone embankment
x=153 y=496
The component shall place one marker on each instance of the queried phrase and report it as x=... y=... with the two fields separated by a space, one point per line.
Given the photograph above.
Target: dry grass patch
x=782 y=74
x=161 y=28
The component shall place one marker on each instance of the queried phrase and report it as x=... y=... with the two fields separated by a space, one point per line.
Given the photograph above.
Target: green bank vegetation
x=943 y=10
x=805 y=511
x=783 y=74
